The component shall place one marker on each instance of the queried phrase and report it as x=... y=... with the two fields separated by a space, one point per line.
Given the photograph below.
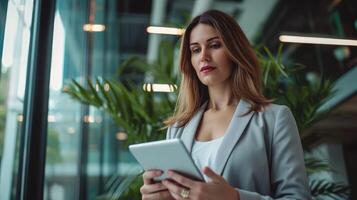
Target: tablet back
x=166 y=155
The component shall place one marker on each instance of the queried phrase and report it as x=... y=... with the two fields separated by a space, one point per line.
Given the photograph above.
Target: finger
x=181 y=179
x=172 y=187
x=176 y=196
x=149 y=175
x=152 y=188
x=163 y=195
x=211 y=174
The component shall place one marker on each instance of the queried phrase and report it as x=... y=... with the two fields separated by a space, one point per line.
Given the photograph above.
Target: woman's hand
x=151 y=190
x=182 y=188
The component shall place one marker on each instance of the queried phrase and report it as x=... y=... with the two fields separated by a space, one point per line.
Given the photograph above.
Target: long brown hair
x=245 y=78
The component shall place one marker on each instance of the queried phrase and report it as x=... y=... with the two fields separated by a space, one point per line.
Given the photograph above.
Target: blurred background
x=59 y=140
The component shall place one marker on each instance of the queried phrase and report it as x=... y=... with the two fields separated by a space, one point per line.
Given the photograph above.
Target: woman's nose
x=204 y=55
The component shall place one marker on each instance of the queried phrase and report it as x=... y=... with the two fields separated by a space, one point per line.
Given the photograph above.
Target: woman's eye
x=215 y=45
x=195 y=50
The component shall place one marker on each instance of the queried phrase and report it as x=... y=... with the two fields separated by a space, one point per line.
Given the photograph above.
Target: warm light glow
x=88 y=119
x=20 y=118
x=51 y=118
x=93 y=27
x=165 y=30
x=148 y=87
x=106 y=87
x=317 y=40
x=122 y=136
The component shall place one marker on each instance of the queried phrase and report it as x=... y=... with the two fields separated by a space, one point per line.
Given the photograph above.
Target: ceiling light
x=165 y=30
x=93 y=27
x=317 y=40
x=159 y=87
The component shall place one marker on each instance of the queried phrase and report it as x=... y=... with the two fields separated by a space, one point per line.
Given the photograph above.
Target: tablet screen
x=166 y=155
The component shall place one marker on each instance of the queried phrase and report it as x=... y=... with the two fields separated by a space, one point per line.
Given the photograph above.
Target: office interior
x=53 y=146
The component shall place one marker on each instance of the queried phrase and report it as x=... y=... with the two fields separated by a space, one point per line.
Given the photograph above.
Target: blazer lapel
x=190 y=129
x=233 y=133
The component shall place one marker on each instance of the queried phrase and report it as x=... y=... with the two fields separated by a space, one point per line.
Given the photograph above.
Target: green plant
x=304 y=98
x=137 y=112
x=289 y=87
x=140 y=113
x=124 y=189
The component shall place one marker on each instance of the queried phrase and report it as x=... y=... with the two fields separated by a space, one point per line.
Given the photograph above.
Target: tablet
x=166 y=155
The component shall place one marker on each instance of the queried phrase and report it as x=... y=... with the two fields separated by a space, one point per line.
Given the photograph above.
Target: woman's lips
x=207 y=69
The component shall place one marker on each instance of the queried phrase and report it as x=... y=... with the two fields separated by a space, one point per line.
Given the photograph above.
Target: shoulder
x=274 y=115
x=174 y=131
x=275 y=109
x=280 y=118
x=276 y=112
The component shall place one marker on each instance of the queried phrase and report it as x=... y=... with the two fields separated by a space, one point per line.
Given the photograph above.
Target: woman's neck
x=221 y=98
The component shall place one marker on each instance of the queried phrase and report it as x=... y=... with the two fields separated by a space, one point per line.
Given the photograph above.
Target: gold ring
x=185 y=193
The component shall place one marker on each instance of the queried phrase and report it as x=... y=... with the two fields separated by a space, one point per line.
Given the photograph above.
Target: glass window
x=81 y=143
x=64 y=114
x=85 y=150
x=12 y=88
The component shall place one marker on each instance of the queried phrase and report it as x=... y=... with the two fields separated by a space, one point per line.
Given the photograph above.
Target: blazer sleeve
x=288 y=174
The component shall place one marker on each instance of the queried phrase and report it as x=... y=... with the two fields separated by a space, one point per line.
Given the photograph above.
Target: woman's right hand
x=154 y=190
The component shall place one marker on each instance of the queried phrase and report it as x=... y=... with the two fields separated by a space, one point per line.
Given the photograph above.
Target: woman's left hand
x=183 y=188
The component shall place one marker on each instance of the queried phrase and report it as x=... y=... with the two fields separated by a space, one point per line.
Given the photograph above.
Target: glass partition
x=82 y=149
x=14 y=67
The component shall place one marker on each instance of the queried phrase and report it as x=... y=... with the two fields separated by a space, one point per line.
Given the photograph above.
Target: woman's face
x=208 y=56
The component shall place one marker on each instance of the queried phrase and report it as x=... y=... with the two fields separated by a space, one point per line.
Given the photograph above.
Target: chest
x=213 y=124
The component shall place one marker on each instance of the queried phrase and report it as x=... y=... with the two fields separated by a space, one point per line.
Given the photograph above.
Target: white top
x=204 y=153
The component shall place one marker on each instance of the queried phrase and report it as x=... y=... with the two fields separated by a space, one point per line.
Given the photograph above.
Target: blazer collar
x=231 y=137
x=233 y=133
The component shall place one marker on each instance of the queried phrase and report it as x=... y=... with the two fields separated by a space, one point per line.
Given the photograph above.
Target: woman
x=247 y=147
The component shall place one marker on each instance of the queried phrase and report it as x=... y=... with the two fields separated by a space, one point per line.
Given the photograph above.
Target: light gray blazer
x=260 y=155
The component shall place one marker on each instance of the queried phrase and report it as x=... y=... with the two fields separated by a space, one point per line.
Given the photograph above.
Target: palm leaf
x=314 y=165
x=117 y=188
x=96 y=97
x=320 y=189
